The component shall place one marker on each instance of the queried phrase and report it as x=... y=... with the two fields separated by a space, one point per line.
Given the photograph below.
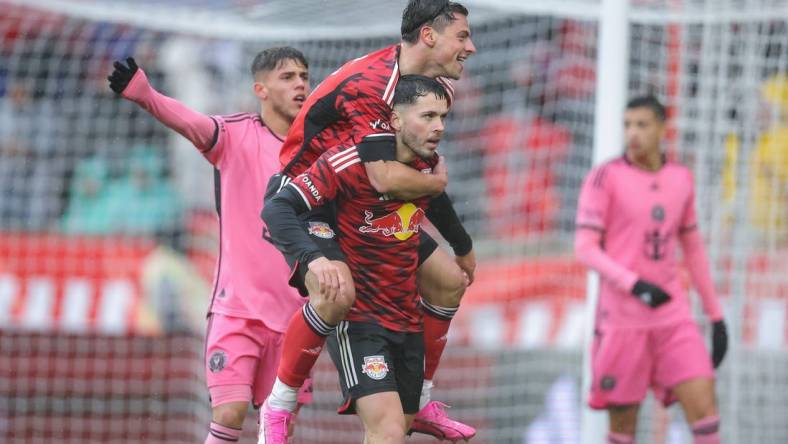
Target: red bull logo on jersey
x=402 y=223
x=375 y=367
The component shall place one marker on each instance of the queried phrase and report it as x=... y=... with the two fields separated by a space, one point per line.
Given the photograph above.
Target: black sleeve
x=280 y=214
x=441 y=213
x=376 y=147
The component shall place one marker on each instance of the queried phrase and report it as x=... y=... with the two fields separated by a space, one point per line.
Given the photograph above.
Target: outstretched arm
x=132 y=83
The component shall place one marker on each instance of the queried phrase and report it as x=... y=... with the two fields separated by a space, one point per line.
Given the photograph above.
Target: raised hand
x=121 y=76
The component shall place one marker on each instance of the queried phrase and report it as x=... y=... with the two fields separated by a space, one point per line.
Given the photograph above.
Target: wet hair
x=436 y=13
x=411 y=87
x=651 y=103
x=271 y=58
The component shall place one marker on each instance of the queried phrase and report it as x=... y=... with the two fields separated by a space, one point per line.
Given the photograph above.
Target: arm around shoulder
x=402 y=181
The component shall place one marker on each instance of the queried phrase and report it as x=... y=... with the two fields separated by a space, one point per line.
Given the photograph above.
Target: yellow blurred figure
x=769 y=166
x=769 y=183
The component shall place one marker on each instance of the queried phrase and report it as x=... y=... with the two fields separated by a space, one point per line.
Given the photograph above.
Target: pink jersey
x=251 y=275
x=628 y=223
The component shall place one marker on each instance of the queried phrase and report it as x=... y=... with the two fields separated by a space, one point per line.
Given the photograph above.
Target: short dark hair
x=651 y=103
x=271 y=58
x=410 y=87
x=435 y=13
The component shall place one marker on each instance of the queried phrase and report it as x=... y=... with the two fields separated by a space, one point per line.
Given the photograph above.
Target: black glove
x=121 y=76
x=719 y=342
x=650 y=294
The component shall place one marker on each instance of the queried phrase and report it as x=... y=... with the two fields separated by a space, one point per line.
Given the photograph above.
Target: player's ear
x=660 y=126
x=260 y=90
x=396 y=122
x=427 y=35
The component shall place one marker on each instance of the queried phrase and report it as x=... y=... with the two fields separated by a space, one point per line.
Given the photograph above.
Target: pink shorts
x=241 y=360
x=626 y=362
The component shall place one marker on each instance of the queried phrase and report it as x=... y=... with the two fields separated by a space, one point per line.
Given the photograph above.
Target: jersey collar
x=663 y=159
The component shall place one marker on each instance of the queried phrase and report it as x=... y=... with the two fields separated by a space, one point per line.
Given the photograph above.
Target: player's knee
x=624 y=427
x=230 y=415
x=346 y=298
x=703 y=407
x=623 y=419
x=334 y=310
x=347 y=292
x=451 y=289
x=457 y=286
x=390 y=431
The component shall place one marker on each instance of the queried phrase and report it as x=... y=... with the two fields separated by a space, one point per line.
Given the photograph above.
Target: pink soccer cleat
x=433 y=420
x=274 y=425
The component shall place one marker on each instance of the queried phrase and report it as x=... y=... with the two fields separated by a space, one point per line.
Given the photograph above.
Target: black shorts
x=320 y=224
x=371 y=359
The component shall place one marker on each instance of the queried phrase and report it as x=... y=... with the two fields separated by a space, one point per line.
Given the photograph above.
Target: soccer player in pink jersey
x=632 y=213
x=249 y=308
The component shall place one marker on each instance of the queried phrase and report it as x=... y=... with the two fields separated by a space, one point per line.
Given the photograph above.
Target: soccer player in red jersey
x=352 y=107
x=378 y=348
x=249 y=310
x=632 y=213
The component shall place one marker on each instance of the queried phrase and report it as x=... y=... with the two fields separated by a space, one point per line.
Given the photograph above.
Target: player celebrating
x=249 y=310
x=631 y=212
x=352 y=107
x=378 y=349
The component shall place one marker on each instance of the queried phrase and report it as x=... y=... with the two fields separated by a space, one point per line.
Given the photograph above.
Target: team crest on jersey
x=402 y=223
x=375 y=367
x=321 y=230
x=217 y=361
x=655 y=244
x=658 y=213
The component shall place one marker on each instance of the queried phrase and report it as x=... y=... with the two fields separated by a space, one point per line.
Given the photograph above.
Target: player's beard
x=417 y=146
x=288 y=113
x=453 y=70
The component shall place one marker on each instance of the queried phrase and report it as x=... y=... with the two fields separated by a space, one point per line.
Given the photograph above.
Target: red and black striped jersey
x=379 y=237
x=350 y=104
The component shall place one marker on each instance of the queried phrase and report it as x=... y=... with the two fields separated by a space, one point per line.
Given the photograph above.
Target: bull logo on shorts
x=375 y=367
x=217 y=361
